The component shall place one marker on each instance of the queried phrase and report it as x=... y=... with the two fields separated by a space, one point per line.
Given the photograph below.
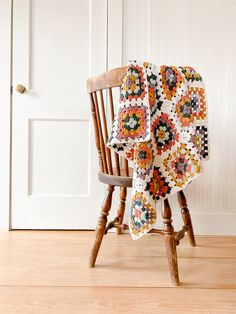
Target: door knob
x=20 y=88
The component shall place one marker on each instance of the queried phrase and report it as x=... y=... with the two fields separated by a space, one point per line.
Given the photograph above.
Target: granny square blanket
x=161 y=128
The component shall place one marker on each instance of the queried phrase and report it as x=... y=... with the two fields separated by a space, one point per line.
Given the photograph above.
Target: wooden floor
x=47 y=272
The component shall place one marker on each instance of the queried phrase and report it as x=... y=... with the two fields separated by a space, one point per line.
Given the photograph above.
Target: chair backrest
x=100 y=89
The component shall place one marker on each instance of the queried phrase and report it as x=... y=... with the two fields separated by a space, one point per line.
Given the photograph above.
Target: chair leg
x=170 y=243
x=186 y=217
x=121 y=209
x=101 y=225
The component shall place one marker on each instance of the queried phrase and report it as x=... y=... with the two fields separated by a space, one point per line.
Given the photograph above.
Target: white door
x=56 y=46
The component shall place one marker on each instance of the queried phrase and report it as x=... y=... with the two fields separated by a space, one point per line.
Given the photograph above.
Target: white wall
x=185 y=32
x=200 y=34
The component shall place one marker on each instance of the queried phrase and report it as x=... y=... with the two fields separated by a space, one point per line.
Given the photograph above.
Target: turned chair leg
x=170 y=243
x=121 y=209
x=186 y=216
x=101 y=225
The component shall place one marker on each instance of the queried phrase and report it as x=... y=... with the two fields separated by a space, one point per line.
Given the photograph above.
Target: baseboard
x=213 y=224
x=205 y=224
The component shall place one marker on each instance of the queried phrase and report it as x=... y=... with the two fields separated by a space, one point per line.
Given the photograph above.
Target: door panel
x=53 y=159
x=54 y=162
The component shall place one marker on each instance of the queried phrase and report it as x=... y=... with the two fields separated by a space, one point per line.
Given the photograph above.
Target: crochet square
x=171 y=80
x=133 y=86
x=132 y=123
x=143 y=215
x=181 y=166
x=197 y=97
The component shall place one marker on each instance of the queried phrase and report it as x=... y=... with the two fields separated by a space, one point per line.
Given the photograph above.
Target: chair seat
x=115 y=180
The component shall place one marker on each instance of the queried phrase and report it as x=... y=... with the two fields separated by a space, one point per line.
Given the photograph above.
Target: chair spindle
x=104 y=119
x=116 y=156
x=97 y=137
x=102 y=145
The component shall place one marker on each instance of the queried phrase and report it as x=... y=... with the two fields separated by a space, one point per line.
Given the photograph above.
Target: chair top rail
x=109 y=79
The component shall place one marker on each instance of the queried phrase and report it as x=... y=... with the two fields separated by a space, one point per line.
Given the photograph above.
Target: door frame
x=98 y=39
x=5 y=113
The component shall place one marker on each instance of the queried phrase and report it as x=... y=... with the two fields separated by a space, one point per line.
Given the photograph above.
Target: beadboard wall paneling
x=200 y=34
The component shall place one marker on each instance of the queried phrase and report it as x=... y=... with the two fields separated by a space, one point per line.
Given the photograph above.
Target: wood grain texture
x=168 y=231
x=115 y=180
x=101 y=225
x=104 y=300
x=121 y=208
x=60 y=259
x=186 y=216
x=112 y=78
x=47 y=272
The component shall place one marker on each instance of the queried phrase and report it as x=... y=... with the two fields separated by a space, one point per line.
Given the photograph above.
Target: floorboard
x=47 y=272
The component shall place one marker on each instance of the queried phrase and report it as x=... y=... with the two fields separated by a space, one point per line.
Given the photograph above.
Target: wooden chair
x=115 y=172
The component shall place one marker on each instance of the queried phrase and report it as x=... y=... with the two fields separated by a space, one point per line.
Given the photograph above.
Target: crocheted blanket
x=161 y=127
